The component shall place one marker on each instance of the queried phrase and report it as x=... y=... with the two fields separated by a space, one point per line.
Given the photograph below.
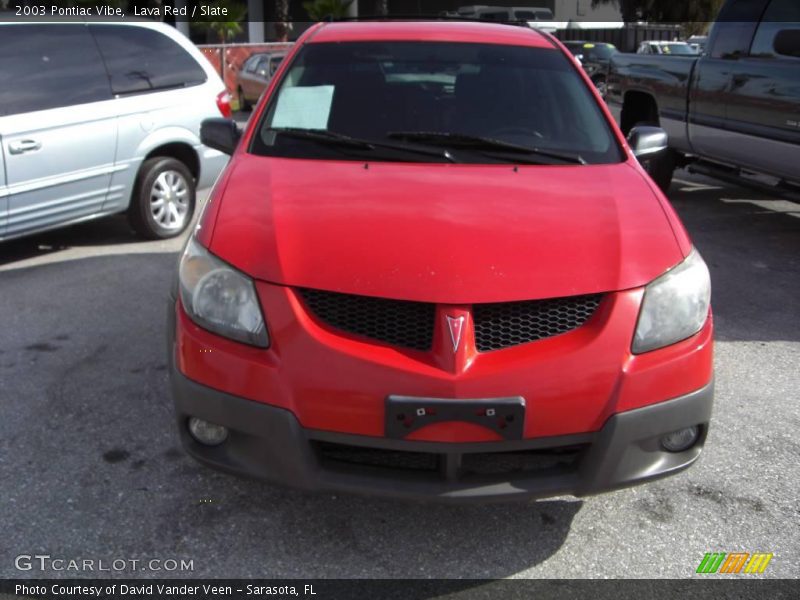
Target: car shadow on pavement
x=91 y=459
x=751 y=243
x=100 y=232
x=96 y=462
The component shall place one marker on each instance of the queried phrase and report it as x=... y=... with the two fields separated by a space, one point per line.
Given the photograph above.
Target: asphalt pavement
x=91 y=467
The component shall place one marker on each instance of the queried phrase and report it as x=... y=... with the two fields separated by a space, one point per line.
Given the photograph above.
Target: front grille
x=410 y=324
x=377 y=457
x=563 y=459
x=506 y=324
x=522 y=461
x=396 y=322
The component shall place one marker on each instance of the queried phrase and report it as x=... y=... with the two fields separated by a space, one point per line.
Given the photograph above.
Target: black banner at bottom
x=395 y=589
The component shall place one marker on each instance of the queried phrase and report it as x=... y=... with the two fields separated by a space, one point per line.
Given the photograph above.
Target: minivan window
x=142 y=60
x=388 y=91
x=36 y=73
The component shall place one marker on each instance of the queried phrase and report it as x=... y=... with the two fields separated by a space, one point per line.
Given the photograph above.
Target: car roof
x=432 y=31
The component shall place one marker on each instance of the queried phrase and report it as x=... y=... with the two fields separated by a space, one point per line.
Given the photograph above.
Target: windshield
x=471 y=102
x=533 y=15
x=594 y=51
x=680 y=49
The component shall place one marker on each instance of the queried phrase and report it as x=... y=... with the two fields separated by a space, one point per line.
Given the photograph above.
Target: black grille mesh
x=396 y=322
x=508 y=324
x=411 y=324
x=496 y=463
x=378 y=457
x=485 y=464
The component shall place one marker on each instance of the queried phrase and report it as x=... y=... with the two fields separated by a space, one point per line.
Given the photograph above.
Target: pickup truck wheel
x=163 y=198
x=600 y=83
x=661 y=169
x=662 y=166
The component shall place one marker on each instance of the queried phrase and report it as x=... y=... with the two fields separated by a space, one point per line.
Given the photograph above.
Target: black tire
x=243 y=103
x=661 y=167
x=179 y=200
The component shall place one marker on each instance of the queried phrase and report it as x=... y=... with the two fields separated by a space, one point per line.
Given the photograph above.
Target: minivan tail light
x=224 y=104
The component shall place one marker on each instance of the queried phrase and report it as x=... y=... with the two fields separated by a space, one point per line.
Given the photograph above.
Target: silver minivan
x=98 y=118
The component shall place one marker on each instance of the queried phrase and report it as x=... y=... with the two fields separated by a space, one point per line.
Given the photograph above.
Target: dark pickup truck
x=733 y=113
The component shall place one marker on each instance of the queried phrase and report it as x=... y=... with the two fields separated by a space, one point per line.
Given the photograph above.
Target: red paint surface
x=453 y=235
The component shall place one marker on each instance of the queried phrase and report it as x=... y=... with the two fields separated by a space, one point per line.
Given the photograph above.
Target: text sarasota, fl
x=145 y=589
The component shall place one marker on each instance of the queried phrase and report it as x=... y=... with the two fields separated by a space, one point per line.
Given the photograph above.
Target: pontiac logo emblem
x=456 y=326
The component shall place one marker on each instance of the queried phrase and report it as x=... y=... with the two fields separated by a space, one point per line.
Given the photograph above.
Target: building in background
x=262 y=15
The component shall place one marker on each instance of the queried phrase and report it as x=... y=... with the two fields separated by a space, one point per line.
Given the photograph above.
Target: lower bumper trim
x=269 y=443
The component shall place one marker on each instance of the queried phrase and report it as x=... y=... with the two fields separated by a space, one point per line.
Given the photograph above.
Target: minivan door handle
x=24 y=146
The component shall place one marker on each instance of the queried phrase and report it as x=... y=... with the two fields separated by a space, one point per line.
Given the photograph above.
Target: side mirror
x=787 y=42
x=647 y=141
x=220 y=134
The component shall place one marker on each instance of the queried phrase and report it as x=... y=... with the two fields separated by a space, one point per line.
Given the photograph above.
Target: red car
x=434 y=268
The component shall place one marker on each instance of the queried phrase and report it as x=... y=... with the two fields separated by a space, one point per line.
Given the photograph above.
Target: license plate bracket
x=406 y=414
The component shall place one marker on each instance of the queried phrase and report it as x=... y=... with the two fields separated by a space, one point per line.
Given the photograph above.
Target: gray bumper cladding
x=269 y=443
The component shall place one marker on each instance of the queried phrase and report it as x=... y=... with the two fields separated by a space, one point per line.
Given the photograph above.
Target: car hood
x=454 y=234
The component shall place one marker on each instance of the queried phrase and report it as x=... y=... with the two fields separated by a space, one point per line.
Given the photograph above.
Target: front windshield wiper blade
x=341 y=139
x=323 y=135
x=482 y=144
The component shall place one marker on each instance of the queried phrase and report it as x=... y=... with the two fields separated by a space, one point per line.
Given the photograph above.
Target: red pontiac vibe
x=435 y=269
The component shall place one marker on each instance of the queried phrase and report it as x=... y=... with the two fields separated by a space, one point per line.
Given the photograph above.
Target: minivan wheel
x=163 y=198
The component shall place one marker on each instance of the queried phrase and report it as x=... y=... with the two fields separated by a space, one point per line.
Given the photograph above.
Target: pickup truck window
x=780 y=15
x=435 y=95
x=733 y=31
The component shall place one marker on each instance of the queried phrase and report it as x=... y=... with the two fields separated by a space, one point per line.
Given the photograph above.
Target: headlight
x=675 y=305
x=219 y=298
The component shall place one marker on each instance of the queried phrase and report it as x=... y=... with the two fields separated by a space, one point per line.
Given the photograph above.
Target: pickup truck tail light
x=224 y=104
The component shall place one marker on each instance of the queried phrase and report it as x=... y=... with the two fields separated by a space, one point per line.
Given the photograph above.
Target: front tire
x=661 y=167
x=243 y=103
x=163 y=199
x=599 y=82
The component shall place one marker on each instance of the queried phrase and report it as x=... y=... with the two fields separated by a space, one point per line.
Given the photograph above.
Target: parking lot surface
x=91 y=466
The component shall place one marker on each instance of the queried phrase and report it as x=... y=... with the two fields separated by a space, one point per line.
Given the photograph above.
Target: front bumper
x=269 y=443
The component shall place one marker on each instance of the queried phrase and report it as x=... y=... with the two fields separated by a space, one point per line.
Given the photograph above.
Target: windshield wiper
x=323 y=135
x=340 y=139
x=479 y=143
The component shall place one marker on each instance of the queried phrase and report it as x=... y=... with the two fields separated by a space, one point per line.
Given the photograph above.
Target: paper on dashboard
x=304 y=107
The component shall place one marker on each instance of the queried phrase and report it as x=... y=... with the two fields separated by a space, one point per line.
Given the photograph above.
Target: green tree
x=319 y=10
x=382 y=7
x=227 y=27
x=666 y=11
x=282 y=24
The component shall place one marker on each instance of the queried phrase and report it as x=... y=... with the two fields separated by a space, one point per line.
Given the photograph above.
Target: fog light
x=207 y=433
x=681 y=440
